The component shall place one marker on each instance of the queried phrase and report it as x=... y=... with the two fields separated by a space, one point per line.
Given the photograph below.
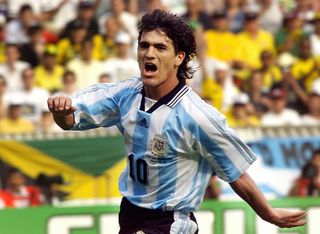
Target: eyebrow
x=157 y=45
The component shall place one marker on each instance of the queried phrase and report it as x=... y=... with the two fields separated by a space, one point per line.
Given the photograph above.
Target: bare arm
x=62 y=111
x=245 y=187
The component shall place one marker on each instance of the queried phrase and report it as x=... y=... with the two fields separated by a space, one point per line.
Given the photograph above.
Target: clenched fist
x=61 y=105
x=62 y=110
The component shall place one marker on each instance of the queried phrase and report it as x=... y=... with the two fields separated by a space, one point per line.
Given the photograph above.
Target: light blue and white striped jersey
x=173 y=148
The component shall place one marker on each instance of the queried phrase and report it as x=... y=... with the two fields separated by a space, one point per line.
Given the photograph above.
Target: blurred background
x=258 y=63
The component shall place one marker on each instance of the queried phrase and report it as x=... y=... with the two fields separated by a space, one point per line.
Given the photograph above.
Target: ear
x=179 y=58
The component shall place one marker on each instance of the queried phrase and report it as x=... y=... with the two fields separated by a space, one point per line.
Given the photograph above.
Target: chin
x=148 y=82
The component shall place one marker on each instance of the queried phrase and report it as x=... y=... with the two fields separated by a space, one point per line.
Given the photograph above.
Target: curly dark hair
x=178 y=31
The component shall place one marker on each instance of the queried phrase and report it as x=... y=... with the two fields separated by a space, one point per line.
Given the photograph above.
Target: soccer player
x=174 y=140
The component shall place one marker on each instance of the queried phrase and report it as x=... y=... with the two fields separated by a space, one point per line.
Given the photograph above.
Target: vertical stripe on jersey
x=192 y=174
x=213 y=123
x=99 y=97
x=139 y=149
x=125 y=181
x=156 y=173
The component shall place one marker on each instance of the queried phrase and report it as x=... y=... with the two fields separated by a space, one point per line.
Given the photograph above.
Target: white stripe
x=185 y=168
x=156 y=126
x=178 y=96
x=130 y=118
x=182 y=224
x=230 y=150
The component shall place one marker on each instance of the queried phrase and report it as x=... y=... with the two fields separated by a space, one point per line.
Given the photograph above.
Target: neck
x=253 y=33
x=316 y=114
x=156 y=93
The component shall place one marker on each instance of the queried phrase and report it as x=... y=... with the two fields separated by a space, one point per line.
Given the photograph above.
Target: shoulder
x=131 y=85
x=291 y=112
x=198 y=108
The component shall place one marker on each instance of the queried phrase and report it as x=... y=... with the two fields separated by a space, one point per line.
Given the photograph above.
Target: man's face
x=15 y=181
x=278 y=105
x=157 y=59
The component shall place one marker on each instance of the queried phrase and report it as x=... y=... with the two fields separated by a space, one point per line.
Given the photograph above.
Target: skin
x=154 y=47
x=245 y=187
x=28 y=79
x=157 y=48
x=15 y=181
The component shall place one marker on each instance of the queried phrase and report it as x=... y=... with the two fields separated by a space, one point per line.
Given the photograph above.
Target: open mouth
x=150 y=67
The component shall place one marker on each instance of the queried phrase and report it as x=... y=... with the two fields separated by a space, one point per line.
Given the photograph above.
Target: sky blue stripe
x=123 y=181
x=123 y=98
x=243 y=149
x=210 y=145
x=205 y=177
x=139 y=149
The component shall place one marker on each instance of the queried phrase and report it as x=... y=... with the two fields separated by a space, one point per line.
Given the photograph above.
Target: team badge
x=159 y=145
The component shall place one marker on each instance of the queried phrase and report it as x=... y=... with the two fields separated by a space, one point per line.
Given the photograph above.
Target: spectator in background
x=85 y=15
x=213 y=191
x=219 y=89
x=305 y=11
x=220 y=42
x=14 y=122
x=213 y=5
x=17 y=194
x=47 y=124
x=306 y=68
x=147 y=6
x=315 y=36
x=16 y=30
x=257 y=94
x=122 y=66
x=86 y=67
x=279 y=115
x=289 y=35
x=240 y=114
x=106 y=40
x=253 y=40
x=3 y=97
x=235 y=14
x=32 y=51
x=270 y=15
x=196 y=16
x=32 y=98
x=308 y=184
x=312 y=117
x=13 y=67
x=127 y=21
x=270 y=72
x=69 y=48
x=69 y=84
x=15 y=5
x=2 y=37
x=48 y=74
x=105 y=78
x=59 y=13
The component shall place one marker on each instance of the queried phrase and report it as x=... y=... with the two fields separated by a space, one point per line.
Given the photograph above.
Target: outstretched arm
x=62 y=111
x=246 y=188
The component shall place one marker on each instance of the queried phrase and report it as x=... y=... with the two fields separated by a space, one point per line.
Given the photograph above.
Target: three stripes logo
x=143 y=123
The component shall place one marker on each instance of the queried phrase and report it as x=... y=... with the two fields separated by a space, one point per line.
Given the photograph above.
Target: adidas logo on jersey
x=143 y=123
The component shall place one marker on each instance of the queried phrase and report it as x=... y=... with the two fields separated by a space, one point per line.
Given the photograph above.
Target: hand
x=287 y=219
x=61 y=105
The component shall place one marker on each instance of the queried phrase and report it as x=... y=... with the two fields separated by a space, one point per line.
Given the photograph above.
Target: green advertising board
x=215 y=217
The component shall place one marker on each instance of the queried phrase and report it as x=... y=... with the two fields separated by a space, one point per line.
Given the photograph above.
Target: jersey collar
x=170 y=99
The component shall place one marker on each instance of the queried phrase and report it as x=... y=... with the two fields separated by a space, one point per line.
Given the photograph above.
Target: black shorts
x=134 y=219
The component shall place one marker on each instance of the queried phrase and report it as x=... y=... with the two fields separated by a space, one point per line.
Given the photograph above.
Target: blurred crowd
x=19 y=191
x=258 y=60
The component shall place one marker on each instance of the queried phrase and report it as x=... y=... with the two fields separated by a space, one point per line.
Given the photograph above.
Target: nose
x=150 y=53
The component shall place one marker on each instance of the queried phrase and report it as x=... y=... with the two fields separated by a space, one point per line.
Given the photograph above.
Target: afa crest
x=159 y=145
